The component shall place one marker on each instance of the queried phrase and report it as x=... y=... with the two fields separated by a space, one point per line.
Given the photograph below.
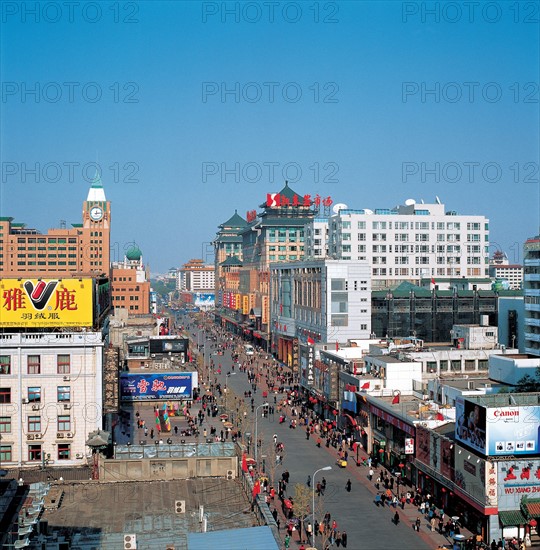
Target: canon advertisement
x=498 y=431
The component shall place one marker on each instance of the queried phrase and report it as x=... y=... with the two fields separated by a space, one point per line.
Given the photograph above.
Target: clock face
x=96 y=213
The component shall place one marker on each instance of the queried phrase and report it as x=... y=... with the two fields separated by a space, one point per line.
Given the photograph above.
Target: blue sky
x=146 y=81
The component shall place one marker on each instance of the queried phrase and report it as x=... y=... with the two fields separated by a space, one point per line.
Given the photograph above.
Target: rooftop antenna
x=62 y=224
x=437 y=200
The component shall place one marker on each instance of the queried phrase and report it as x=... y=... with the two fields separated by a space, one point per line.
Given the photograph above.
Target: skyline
x=345 y=100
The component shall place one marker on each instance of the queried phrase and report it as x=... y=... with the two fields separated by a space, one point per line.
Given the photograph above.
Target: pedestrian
x=323 y=485
x=417 y=524
x=396 y=518
x=348 y=486
x=370 y=474
x=338 y=539
x=344 y=539
x=287 y=540
x=308 y=482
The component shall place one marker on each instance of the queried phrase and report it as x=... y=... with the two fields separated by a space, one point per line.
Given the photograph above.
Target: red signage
x=276 y=200
x=392 y=420
x=251 y=215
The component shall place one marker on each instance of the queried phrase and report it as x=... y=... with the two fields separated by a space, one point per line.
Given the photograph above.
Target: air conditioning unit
x=38 y=436
x=69 y=434
x=153 y=355
x=79 y=455
x=35 y=407
x=67 y=378
x=24 y=400
x=130 y=542
x=59 y=435
x=230 y=474
x=180 y=506
x=30 y=436
x=67 y=406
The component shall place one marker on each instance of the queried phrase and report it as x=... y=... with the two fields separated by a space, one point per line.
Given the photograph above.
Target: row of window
x=33 y=364
x=63 y=394
x=34 y=423
x=452 y=226
x=45 y=240
x=35 y=452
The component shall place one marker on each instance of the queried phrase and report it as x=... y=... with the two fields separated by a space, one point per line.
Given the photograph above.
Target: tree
x=302 y=505
x=528 y=384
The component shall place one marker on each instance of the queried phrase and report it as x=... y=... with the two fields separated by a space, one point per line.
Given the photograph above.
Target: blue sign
x=158 y=386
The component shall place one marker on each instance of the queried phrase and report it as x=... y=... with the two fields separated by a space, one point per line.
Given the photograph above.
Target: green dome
x=133 y=253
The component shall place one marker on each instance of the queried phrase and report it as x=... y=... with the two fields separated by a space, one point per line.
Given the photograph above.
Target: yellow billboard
x=245 y=305
x=38 y=303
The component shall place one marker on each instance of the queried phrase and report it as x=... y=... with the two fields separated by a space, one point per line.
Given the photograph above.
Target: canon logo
x=497 y=414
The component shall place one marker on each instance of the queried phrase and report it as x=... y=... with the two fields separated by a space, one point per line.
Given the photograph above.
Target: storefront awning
x=512 y=518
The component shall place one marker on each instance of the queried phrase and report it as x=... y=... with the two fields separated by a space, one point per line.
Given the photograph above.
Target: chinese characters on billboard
x=159 y=386
x=40 y=303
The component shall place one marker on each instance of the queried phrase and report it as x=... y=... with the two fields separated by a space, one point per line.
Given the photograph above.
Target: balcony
x=529 y=321
x=532 y=337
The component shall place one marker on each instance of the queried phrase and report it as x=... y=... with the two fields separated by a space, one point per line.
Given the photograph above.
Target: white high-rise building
x=316 y=233
x=411 y=242
x=531 y=291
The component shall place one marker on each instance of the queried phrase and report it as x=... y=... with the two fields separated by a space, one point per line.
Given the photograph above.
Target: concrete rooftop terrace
x=97 y=515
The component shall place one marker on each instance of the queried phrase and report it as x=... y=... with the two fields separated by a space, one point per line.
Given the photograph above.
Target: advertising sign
x=40 y=303
x=517 y=479
x=409 y=445
x=158 y=386
x=470 y=474
x=512 y=430
x=471 y=424
x=204 y=299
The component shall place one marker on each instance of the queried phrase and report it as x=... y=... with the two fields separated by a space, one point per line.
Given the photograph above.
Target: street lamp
x=256 y=440
x=313 y=498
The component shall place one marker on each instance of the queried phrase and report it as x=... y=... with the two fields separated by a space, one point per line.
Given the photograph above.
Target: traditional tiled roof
x=235 y=221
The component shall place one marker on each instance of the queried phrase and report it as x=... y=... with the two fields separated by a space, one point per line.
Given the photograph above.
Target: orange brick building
x=130 y=287
x=82 y=250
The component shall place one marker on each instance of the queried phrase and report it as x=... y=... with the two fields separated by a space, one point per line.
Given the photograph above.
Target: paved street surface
x=367 y=525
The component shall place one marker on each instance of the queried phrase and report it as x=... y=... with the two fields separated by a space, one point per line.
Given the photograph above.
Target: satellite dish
x=437 y=199
x=410 y=202
x=368 y=211
x=339 y=206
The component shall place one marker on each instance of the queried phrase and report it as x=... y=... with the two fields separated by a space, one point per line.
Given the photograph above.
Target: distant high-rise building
x=531 y=291
x=84 y=249
x=411 y=242
x=501 y=268
x=195 y=276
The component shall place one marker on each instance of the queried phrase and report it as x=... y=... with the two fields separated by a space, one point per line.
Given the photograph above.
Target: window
x=5 y=364
x=34 y=453
x=363 y=327
x=361 y=225
x=5 y=395
x=5 y=453
x=63 y=364
x=64 y=451
x=64 y=393
x=34 y=394
x=340 y=320
x=361 y=248
x=34 y=364
x=346 y=236
x=34 y=423
x=361 y=236
x=346 y=225
x=64 y=423
x=5 y=424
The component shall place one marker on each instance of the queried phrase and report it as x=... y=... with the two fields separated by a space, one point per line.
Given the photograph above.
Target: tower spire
x=96 y=193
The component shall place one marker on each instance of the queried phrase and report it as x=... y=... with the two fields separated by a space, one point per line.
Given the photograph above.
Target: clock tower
x=96 y=228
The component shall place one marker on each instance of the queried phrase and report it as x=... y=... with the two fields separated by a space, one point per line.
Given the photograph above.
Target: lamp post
x=313 y=498
x=256 y=439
